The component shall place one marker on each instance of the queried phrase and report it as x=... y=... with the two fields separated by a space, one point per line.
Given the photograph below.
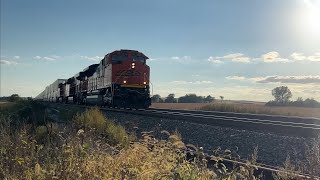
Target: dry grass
x=4 y=104
x=190 y=106
x=94 y=119
x=257 y=108
x=92 y=147
x=61 y=152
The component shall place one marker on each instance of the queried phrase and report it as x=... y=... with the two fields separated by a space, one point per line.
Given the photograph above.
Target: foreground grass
x=93 y=147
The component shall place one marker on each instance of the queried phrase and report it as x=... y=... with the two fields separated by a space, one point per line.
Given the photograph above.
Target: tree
x=310 y=102
x=282 y=94
x=170 y=99
x=209 y=99
x=190 y=98
x=298 y=102
x=14 y=98
x=221 y=97
x=156 y=98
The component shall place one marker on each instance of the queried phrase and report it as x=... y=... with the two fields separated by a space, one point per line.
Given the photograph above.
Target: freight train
x=121 y=79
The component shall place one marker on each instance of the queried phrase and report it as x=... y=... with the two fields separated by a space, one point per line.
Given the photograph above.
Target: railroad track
x=282 y=125
x=285 y=125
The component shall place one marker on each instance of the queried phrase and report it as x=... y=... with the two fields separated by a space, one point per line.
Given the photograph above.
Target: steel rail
x=249 y=120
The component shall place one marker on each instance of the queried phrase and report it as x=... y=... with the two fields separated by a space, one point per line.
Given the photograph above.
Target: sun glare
x=312 y=16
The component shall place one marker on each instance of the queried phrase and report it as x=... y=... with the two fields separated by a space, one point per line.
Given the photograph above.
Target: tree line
x=282 y=96
x=188 y=98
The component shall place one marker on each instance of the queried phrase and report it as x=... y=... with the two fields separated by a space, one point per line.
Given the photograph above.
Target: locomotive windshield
x=138 y=58
x=118 y=58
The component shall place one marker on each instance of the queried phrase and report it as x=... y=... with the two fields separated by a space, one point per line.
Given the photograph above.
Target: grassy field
x=229 y=106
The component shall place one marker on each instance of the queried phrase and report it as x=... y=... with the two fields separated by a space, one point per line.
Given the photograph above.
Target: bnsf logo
x=128 y=73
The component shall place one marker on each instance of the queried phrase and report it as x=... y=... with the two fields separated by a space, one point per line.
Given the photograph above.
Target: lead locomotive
x=121 y=79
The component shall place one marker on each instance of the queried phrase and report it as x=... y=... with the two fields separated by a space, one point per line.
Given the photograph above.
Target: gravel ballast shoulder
x=273 y=149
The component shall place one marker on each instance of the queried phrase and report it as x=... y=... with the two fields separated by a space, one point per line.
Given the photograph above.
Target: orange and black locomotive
x=121 y=79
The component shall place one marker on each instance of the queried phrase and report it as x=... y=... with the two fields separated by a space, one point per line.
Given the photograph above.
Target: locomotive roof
x=127 y=51
x=70 y=80
x=88 y=71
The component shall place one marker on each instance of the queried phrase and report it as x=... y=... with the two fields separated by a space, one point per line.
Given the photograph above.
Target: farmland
x=243 y=107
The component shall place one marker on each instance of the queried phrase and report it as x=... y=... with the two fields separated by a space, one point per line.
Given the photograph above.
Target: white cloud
x=291 y=79
x=279 y=79
x=45 y=58
x=190 y=82
x=301 y=57
x=231 y=56
x=37 y=57
x=214 y=60
x=49 y=59
x=152 y=59
x=182 y=59
x=235 y=77
x=315 y=57
x=92 y=58
x=270 y=57
x=175 y=57
x=273 y=56
x=8 y=62
x=236 y=57
x=241 y=59
x=16 y=57
x=298 y=56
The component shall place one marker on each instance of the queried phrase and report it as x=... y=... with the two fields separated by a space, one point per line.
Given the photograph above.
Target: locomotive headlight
x=124 y=82
x=144 y=82
x=133 y=64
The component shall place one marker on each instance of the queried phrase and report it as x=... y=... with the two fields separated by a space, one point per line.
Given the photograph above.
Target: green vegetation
x=188 y=98
x=94 y=119
x=170 y=99
x=24 y=112
x=193 y=98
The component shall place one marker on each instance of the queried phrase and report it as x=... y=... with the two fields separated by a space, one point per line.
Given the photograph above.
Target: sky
x=237 y=49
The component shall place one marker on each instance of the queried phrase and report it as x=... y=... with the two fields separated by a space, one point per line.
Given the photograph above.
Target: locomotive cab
x=129 y=79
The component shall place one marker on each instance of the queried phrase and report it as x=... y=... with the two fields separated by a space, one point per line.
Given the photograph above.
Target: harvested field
x=245 y=107
x=178 y=105
x=5 y=104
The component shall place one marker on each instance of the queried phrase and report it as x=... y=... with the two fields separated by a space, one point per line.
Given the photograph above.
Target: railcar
x=121 y=79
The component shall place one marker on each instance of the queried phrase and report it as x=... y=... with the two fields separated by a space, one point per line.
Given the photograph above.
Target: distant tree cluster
x=14 y=98
x=188 y=98
x=282 y=95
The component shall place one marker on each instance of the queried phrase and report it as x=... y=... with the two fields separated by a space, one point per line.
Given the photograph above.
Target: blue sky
x=237 y=49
